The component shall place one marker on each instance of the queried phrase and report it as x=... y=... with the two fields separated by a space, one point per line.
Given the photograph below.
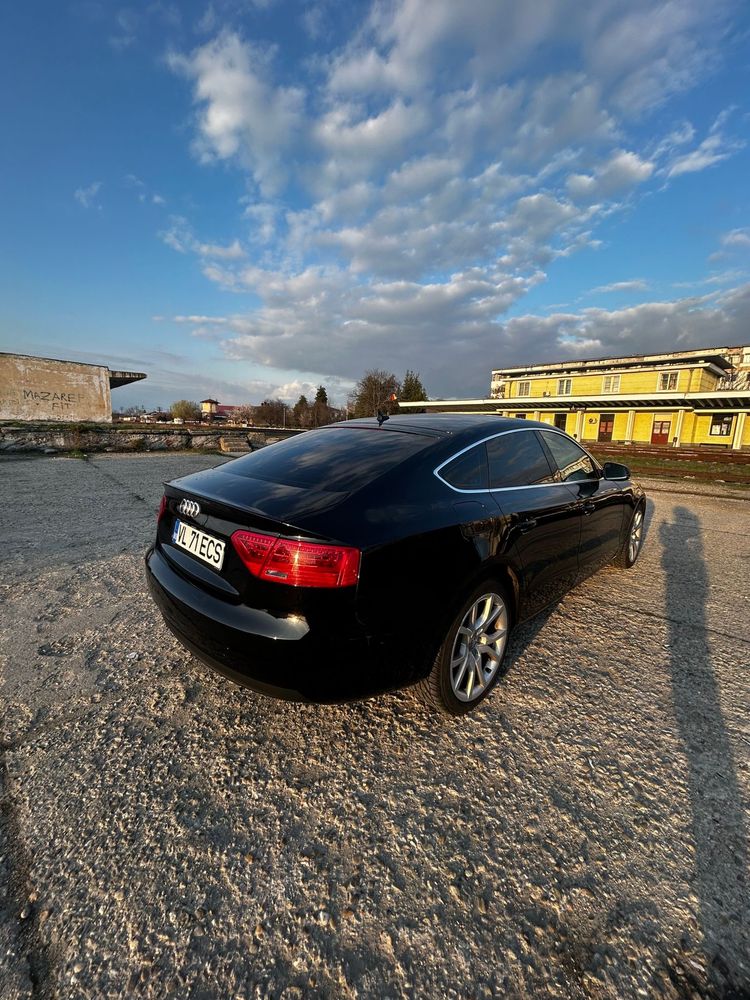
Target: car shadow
x=717 y=822
x=648 y=520
x=524 y=635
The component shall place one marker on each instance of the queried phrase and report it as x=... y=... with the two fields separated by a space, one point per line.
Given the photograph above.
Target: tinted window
x=573 y=462
x=468 y=471
x=517 y=459
x=336 y=460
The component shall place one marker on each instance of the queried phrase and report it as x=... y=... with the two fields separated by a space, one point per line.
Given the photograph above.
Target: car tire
x=470 y=659
x=631 y=547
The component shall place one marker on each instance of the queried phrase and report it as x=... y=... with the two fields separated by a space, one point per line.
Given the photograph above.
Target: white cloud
x=696 y=321
x=323 y=317
x=736 y=238
x=563 y=109
x=623 y=170
x=179 y=236
x=635 y=285
x=679 y=136
x=142 y=191
x=731 y=277
x=428 y=174
x=356 y=143
x=646 y=52
x=419 y=177
x=713 y=149
x=232 y=252
x=706 y=155
x=132 y=22
x=241 y=113
x=537 y=216
x=207 y=320
x=86 y=196
x=317 y=318
x=127 y=22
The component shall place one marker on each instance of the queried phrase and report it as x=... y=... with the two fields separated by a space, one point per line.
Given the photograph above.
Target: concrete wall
x=43 y=389
x=88 y=438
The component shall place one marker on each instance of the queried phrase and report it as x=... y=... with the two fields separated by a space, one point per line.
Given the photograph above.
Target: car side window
x=573 y=463
x=518 y=459
x=467 y=471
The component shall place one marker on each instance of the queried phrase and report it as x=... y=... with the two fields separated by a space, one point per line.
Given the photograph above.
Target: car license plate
x=206 y=547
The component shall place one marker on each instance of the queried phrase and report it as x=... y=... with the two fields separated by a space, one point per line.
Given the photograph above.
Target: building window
x=520 y=416
x=611 y=383
x=721 y=426
x=524 y=388
x=668 y=381
x=564 y=386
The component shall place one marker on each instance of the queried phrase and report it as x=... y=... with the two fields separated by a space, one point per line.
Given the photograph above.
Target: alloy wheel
x=479 y=646
x=636 y=536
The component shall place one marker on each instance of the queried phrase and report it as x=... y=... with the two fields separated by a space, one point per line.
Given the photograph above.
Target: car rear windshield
x=336 y=459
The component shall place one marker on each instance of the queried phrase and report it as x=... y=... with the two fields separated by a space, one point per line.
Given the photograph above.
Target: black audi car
x=361 y=557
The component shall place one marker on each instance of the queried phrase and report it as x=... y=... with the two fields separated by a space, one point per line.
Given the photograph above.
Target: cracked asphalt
x=165 y=833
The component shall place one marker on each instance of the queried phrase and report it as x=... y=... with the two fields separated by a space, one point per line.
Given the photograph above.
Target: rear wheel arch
x=501 y=573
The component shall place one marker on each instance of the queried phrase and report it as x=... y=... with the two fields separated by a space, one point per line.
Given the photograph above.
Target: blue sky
x=248 y=197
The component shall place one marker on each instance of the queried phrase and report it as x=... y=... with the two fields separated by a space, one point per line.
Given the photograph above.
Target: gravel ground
x=165 y=833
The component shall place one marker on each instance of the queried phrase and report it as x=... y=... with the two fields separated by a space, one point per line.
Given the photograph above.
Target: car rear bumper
x=278 y=656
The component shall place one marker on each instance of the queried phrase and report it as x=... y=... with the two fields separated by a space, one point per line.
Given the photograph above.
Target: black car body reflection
x=350 y=550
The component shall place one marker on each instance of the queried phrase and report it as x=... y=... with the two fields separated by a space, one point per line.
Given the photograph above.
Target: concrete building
x=34 y=388
x=684 y=398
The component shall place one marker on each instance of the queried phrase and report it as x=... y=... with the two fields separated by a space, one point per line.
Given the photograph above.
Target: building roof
x=214 y=401
x=116 y=378
x=708 y=355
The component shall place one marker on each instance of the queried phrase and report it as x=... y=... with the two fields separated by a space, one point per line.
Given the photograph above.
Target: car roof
x=443 y=424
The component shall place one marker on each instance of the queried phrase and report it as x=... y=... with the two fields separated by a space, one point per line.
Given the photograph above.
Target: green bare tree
x=244 y=414
x=412 y=390
x=272 y=412
x=321 y=408
x=301 y=412
x=374 y=391
x=185 y=409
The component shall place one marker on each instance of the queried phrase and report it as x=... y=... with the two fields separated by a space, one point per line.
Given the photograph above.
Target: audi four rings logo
x=189 y=508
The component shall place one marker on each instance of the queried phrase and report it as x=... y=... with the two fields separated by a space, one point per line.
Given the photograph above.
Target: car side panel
x=409 y=590
x=543 y=530
x=603 y=505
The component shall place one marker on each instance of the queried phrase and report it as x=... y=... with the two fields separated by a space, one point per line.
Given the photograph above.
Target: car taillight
x=162 y=509
x=297 y=564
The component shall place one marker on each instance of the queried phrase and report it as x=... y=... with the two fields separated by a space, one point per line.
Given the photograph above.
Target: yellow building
x=685 y=398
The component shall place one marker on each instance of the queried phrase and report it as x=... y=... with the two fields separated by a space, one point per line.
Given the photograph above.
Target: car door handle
x=528 y=524
x=588 y=508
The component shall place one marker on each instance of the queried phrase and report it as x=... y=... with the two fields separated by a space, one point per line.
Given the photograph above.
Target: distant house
x=212 y=409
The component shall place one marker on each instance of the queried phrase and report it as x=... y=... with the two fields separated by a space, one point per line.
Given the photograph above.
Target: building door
x=561 y=420
x=660 y=432
x=606 y=426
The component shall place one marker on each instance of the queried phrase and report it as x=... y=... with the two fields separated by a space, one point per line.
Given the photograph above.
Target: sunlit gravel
x=166 y=833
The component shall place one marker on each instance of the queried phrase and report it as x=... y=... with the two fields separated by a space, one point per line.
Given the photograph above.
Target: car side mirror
x=613 y=470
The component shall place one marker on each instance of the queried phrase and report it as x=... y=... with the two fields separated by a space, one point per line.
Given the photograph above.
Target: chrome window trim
x=503 y=489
